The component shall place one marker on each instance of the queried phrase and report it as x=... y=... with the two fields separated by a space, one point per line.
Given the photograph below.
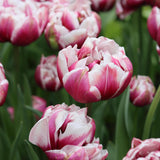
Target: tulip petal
x=77 y=85
x=39 y=134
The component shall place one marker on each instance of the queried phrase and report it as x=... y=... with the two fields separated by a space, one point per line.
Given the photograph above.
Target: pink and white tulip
x=99 y=70
x=142 y=90
x=147 y=149
x=60 y=126
x=153 y=3
x=153 y=24
x=102 y=5
x=11 y=112
x=3 y=85
x=126 y=7
x=46 y=74
x=91 y=151
x=39 y=103
x=22 y=21
x=71 y=23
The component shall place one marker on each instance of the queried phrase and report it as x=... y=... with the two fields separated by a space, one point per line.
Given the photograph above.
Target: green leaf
x=34 y=110
x=150 y=115
x=121 y=139
x=31 y=153
x=14 y=145
x=127 y=116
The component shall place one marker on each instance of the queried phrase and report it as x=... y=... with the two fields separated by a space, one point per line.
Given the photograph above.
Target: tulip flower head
x=22 y=21
x=66 y=132
x=126 y=7
x=153 y=24
x=39 y=103
x=11 y=112
x=99 y=70
x=46 y=74
x=142 y=90
x=71 y=23
x=3 y=85
x=147 y=149
x=102 y=5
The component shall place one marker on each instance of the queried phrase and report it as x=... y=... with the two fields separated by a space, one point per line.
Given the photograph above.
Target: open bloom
x=142 y=90
x=71 y=23
x=91 y=151
x=153 y=24
x=146 y=150
x=46 y=74
x=66 y=132
x=3 y=85
x=102 y=5
x=99 y=70
x=22 y=21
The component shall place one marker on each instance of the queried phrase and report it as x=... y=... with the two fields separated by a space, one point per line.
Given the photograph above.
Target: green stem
x=150 y=115
x=140 y=39
x=89 y=106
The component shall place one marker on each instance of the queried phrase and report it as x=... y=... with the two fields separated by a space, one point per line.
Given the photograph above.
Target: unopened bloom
x=22 y=22
x=71 y=23
x=66 y=132
x=3 y=85
x=11 y=112
x=39 y=103
x=147 y=149
x=153 y=3
x=153 y=24
x=46 y=74
x=126 y=7
x=142 y=90
x=102 y=5
x=99 y=70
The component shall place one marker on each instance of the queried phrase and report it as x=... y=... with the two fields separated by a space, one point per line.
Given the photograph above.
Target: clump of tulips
x=79 y=79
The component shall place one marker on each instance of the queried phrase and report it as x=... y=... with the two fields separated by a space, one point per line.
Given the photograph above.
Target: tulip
x=99 y=70
x=146 y=150
x=126 y=7
x=39 y=103
x=153 y=3
x=102 y=5
x=91 y=151
x=72 y=23
x=11 y=112
x=3 y=85
x=154 y=25
x=142 y=90
x=60 y=126
x=158 y=51
x=46 y=74
x=22 y=22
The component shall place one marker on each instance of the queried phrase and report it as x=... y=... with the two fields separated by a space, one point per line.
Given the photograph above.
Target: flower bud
x=126 y=7
x=99 y=70
x=154 y=25
x=3 y=85
x=46 y=74
x=39 y=103
x=102 y=5
x=142 y=90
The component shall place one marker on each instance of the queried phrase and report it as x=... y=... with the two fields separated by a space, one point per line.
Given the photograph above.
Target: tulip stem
x=150 y=115
x=89 y=106
x=140 y=38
